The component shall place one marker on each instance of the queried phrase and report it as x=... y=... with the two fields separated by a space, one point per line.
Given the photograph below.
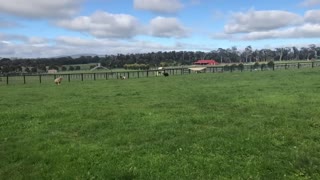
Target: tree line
x=161 y=58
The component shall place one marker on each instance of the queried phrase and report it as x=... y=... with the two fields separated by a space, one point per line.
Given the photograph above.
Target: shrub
x=270 y=64
x=233 y=66
x=240 y=66
x=256 y=65
x=226 y=67
x=71 y=68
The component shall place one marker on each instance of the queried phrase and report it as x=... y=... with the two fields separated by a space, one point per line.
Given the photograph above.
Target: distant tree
x=77 y=68
x=42 y=67
x=313 y=51
x=5 y=61
x=6 y=69
x=27 y=70
x=54 y=67
x=295 y=52
x=71 y=68
x=248 y=53
x=18 y=68
x=63 y=68
x=34 y=69
x=222 y=53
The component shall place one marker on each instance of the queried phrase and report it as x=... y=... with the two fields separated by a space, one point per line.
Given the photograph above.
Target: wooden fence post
x=68 y=77
x=81 y=76
x=147 y=73
x=40 y=78
x=128 y=75
x=106 y=76
x=312 y=64
x=298 y=65
x=24 y=79
x=7 y=79
x=273 y=67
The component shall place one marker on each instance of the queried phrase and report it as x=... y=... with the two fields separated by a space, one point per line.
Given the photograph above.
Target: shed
x=52 y=71
x=206 y=62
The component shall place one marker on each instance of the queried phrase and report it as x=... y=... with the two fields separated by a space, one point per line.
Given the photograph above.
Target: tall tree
x=248 y=53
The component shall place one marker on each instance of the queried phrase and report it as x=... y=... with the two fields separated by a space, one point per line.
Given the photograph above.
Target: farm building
x=206 y=62
x=198 y=69
x=52 y=71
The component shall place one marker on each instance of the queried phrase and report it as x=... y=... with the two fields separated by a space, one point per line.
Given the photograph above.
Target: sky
x=39 y=28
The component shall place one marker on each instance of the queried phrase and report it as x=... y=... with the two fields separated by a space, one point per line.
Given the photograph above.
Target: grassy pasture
x=250 y=125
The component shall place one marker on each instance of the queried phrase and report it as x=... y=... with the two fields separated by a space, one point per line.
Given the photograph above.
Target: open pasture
x=249 y=125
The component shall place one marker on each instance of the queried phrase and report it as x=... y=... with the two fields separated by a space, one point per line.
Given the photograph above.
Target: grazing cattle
x=58 y=80
x=122 y=77
x=166 y=74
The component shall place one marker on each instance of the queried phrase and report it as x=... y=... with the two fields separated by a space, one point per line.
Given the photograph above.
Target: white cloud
x=252 y=21
x=65 y=45
x=304 y=31
x=158 y=6
x=310 y=3
x=258 y=25
x=40 y=9
x=312 y=16
x=167 y=27
x=104 y=25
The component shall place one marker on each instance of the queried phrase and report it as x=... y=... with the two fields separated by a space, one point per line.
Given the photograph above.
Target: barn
x=206 y=62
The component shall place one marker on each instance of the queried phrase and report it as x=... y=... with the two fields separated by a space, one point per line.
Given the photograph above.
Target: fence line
x=48 y=78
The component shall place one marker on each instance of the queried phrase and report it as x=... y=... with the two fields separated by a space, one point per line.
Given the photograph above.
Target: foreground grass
x=259 y=125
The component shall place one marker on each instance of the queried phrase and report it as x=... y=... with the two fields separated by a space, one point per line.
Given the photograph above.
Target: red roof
x=210 y=62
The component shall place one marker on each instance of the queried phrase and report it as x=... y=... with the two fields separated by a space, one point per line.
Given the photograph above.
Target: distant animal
x=166 y=74
x=58 y=80
x=122 y=77
x=158 y=73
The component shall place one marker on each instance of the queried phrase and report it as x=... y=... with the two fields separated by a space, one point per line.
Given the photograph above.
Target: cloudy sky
x=39 y=28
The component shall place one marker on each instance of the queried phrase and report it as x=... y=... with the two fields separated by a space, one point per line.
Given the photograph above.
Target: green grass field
x=250 y=125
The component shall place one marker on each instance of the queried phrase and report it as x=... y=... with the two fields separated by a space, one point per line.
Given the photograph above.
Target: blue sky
x=37 y=28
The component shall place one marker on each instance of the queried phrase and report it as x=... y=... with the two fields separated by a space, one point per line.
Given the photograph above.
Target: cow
x=166 y=74
x=58 y=80
x=122 y=77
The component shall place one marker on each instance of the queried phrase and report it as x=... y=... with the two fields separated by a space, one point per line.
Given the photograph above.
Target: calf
x=122 y=77
x=166 y=74
x=58 y=80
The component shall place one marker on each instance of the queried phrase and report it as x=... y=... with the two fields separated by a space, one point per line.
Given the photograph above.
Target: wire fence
x=7 y=79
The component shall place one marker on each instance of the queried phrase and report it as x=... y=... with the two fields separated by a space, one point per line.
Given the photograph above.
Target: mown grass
x=251 y=125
